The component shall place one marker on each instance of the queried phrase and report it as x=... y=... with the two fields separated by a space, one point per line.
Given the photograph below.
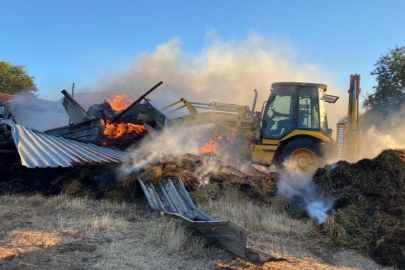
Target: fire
x=212 y=145
x=233 y=130
x=119 y=102
x=116 y=130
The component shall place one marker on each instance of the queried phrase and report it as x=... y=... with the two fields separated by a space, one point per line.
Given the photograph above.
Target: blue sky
x=61 y=42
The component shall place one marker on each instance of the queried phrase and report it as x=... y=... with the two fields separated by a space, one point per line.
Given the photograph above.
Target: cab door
x=308 y=109
x=279 y=116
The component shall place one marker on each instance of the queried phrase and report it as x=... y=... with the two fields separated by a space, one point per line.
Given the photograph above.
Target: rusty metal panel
x=40 y=150
x=172 y=198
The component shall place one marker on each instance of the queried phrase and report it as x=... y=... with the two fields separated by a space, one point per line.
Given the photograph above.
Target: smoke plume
x=380 y=131
x=223 y=71
x=36 y=113
x=173 y=140
x=303 y=192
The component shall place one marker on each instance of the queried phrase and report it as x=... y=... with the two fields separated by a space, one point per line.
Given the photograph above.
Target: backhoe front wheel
x=301 y=154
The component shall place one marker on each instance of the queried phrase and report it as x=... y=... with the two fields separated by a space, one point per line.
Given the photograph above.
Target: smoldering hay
x=369 y=211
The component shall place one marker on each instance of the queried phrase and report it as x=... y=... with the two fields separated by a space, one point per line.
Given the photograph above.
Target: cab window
x=278 y=119
x=308 y=110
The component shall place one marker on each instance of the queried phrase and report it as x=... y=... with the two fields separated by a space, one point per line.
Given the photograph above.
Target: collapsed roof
x=91 y=137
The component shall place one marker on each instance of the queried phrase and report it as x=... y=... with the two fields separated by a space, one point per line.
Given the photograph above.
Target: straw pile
x=205 y=177
x=369 y=205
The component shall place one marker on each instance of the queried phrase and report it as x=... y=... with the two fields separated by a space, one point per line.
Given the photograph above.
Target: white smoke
x=36 y=113
x=318 y=210
x=172 y=140
x=303 y=192
x=223 y=71
x=374 y=141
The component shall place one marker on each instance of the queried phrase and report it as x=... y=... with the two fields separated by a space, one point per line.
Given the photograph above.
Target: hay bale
x=263 y=184
x=190 y=180
x=256 y=186
x=372 y=217
x=349 y=227
x=204 y=193
x=390 y=250
x=152 y=174
x=221 y=177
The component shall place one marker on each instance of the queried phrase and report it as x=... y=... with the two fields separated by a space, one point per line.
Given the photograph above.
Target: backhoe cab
x=294 y=126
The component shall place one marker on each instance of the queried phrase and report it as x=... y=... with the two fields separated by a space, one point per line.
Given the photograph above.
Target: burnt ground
x=64 y=232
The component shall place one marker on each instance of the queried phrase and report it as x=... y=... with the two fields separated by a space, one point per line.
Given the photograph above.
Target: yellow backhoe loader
x=292 y=125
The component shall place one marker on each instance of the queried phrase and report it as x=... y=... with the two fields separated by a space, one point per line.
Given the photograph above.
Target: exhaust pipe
x=254 y=101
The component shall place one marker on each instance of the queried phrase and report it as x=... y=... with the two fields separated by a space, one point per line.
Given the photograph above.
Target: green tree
x=389 y=93
x=14 y=79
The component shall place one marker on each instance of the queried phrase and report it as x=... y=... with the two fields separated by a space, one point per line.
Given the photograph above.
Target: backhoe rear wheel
x=301 y=154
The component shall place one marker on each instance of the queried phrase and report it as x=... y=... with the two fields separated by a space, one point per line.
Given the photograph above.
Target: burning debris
x=119 y=102
x=79 y=142
x=114 y=124
x=117 y=130
x=206 y=177
x=212 y=145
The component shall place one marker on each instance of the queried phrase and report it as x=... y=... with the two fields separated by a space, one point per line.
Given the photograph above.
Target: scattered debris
x=172 y=199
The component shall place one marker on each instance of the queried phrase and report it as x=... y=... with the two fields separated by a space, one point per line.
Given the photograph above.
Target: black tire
x=288 y=148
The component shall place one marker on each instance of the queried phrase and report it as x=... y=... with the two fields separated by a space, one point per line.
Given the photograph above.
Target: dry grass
x=257 y=217
x=292 y=263
x=125 y=236
x=175 y=236
x=17 y=242
x=63 y=232
x=163 y=244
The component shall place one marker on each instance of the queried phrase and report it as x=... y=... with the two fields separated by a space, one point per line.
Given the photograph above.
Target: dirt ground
x=62 y=232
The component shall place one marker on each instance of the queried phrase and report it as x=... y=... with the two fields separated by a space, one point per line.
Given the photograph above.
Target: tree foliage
x=14 y=79
x=389 y=93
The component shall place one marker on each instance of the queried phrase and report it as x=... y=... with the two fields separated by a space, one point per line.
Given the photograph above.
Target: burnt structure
x=102 y=125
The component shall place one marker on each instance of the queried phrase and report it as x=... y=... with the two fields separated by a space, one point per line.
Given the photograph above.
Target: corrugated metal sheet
x=173 y=199
x=76 y=113
x=40 y=150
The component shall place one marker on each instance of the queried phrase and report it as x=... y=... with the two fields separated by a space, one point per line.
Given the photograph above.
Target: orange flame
x=117 y=130
x=212 y=145
x=233 y=130
x=119 y=102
